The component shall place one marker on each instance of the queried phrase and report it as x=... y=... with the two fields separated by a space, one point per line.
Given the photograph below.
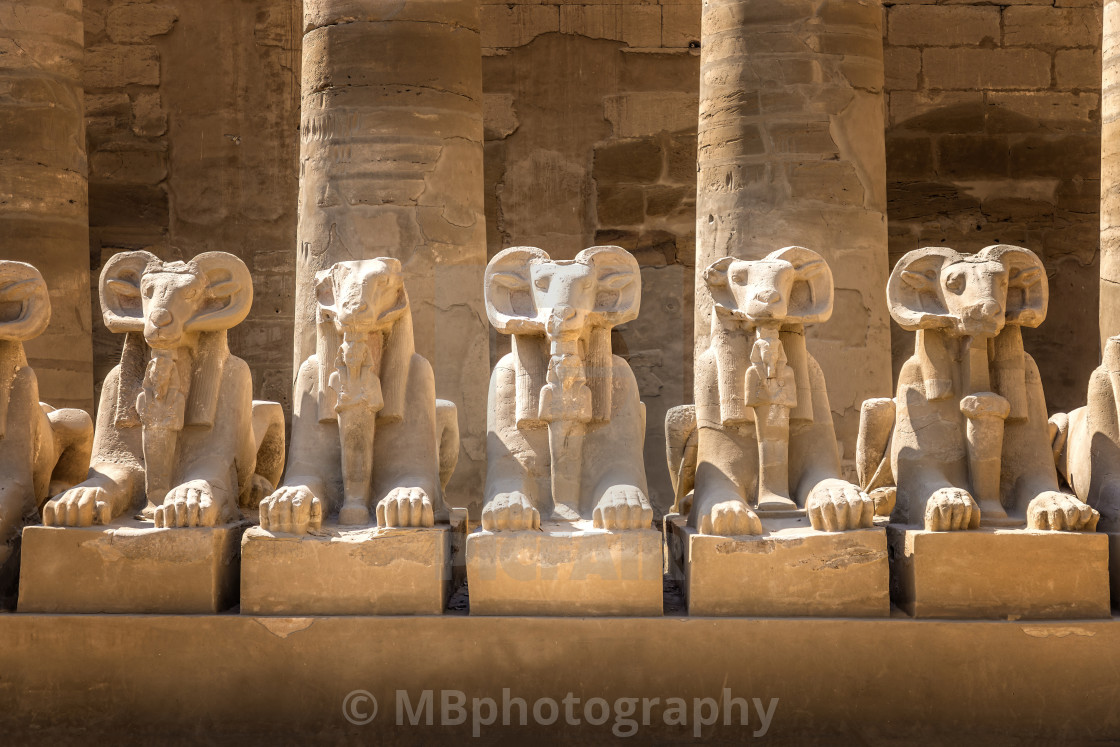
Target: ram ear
x=1028 y=291
x=811 y=296
x=400 y=305
x=25 y=305
x=121 y=305
x=228 y=296
x=508 y=290
x=619 y=284
x=914 y=293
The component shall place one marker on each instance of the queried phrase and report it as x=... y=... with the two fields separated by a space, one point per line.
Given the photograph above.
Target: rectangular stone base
x=129 y=566
x=999 y=573
x=790 y=570
x=352 y=571
x=565 y=569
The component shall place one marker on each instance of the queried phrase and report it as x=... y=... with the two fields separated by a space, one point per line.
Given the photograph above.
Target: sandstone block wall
x=993 y=135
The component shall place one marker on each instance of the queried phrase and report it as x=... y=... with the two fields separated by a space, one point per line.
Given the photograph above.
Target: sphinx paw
x=511 y=512
x=406 y=507
x=78 y=507
x=623 y=507
x=293 y=509
x=837 y=505
x=191 y=504
x=728 y=518
x=951 y=509
x=1061 y=512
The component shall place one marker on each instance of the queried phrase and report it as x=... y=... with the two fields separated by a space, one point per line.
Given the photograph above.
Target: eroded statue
x=1086 y=442
x=176 y=423
x=966 y=436
x=762 y=439
x=43 y=451
x=366 y=421
x=565 y=425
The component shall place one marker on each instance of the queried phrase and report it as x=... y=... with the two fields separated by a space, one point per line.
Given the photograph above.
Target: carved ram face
x=792 y=286
x=968 y=295
x=168 y=301
x=361 y=296
x=25 y=307
x=527 y=292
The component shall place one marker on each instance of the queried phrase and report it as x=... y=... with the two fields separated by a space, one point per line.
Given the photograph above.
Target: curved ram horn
x=812 y=294
x=21 y=283
x=229 y=292
x=914 y=292
x=1028 y=291
x=121 y=307
x=619 y=292
x=509 y=297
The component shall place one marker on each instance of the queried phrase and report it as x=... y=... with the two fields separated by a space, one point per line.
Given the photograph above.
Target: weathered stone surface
x=43 y=186
x=419 y=200
x=357 y=571
x=566 y=569
x=790 y=570
x=1057 y=575
x=130 y=567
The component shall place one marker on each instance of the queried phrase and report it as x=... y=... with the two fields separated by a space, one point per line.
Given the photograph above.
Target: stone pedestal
x=790 y=570
x=129 y=566
x=999 y=573
x=352 y=571
x=565 y=569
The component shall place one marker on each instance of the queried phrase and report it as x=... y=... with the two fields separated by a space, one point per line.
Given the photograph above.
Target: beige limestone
x=765 y=442
x=790 y=570
x=565 y=423
x=391 y=164
x=566 y=569
x=129 y=566
x=1110 y=183
x=177 y=430
x=970 y=444
x=353 y=571
x=42 y=450
x=368 y=434
x=999 y=573
x=44 y=204
x=791 y=152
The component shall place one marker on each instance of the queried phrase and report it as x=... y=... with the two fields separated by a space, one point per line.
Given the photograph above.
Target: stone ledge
x=231 y=679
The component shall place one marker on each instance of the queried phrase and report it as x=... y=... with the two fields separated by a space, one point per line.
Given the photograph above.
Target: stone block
x=790 y=570
x=352 y=571
x=927 y=25
x=569 y=569
x=999 y=573
x=972 y=68
x=1062 y=27
x=129 y=566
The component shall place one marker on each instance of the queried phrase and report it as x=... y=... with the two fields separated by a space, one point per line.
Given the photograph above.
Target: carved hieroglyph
x=42 y=450
x=366 y=421
x=970 y=439
x=764 y=437
x=177 y=423
x=565 y=426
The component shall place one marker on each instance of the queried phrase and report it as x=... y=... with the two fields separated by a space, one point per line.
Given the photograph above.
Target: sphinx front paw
x=837 y=505
x=951 y=509
x=510 y=511
x=192 y=504
x=727 y=516
x=293 y=509
x=1061 y=512
x=406 y=507
x=623 y=507
x=78 y=507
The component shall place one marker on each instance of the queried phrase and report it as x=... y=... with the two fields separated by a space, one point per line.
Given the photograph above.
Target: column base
x=567 y=568
x=789 y=570
x=999 y=573
x=352 y=570
x=129 y=566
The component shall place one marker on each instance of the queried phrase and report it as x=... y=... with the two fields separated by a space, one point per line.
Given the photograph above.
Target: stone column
x=44 y=206
x=391 y=165
x=791 y=153
x=1110 y=174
